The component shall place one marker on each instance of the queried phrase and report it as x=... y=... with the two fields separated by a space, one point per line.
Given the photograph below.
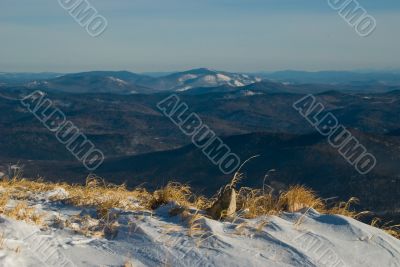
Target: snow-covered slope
x=183 y=81
x=156 y=238
x=124 y=82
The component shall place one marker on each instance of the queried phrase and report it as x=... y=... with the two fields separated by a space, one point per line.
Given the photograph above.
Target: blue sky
x=167 y=35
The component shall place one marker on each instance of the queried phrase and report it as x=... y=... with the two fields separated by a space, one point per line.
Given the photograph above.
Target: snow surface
x=187 y=77
x=157 y=239
x=119 y=82
x=189 y=81
x=223 y=77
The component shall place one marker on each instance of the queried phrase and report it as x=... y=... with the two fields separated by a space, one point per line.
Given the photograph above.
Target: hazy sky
x=165 y=35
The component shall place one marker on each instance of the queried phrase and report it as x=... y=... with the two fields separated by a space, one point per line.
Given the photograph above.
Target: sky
x=172 y=35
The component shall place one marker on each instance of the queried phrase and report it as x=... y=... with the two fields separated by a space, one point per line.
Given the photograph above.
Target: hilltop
x=102 y=224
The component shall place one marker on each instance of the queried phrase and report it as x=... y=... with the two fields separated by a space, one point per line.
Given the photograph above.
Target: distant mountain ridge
x=203 y=80
x=333 y=77
x=124 y=82
x=17 y=78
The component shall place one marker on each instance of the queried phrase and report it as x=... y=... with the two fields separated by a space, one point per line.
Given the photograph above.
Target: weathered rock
x=225 y=205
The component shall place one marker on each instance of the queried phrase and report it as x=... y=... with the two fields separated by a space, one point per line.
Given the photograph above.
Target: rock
x=225 y=206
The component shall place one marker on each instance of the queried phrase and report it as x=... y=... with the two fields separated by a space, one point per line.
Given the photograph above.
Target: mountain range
x=334 y=77
x=123 y=82
x=199 y=81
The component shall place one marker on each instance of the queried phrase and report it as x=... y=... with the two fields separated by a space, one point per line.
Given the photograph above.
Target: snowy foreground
x=159 y=239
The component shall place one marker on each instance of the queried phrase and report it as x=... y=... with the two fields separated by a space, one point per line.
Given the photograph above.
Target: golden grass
x=4 y=198
x=3 y=245
x=254 y=203
x=393 y=230
x=95 y=193
x=104 y=197
x=300 y=197
x=129 y=264
x=343 y=208
x=172 y=192
x=22 y=212
x=2 y=241
x=195 y=226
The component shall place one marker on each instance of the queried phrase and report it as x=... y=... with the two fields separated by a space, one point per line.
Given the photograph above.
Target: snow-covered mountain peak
x=210 y=78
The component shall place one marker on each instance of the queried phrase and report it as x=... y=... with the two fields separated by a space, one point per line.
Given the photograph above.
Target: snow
x=238 y=83
x=119 y=82
x=223 y=77
x=209 y=79
x=156 y=238
x=187 y=77
x=250 y=93
x=185 y=88
x=190 y=81
x=213 y=78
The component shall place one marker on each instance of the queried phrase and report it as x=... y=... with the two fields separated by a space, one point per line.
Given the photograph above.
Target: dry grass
x=22 y=212
x=300 y=197
x=192 y=217
x=195 y=225
x=22 y=189
x=2 y=241
x=172 y=192
x=129 y=264
x=344 y=208
x=105 y=198
x=393 y=230
x=254 y=203
x=3 y=245
x=95 y=193
x=4 y=199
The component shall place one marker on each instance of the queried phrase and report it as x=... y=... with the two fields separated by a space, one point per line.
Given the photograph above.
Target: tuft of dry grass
x=393 y=230
x=22 y=189
x=254 y=203
x=261 y=225
x=192 y=217
x=3 y=245
x=195 y=225
x=97 y=193
x=22 y=212
x=240 y=229
x=129 y=264
x=2 y=241
x=345 y=209
x=300 y=197
x=4 y=198
x=172 y=192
